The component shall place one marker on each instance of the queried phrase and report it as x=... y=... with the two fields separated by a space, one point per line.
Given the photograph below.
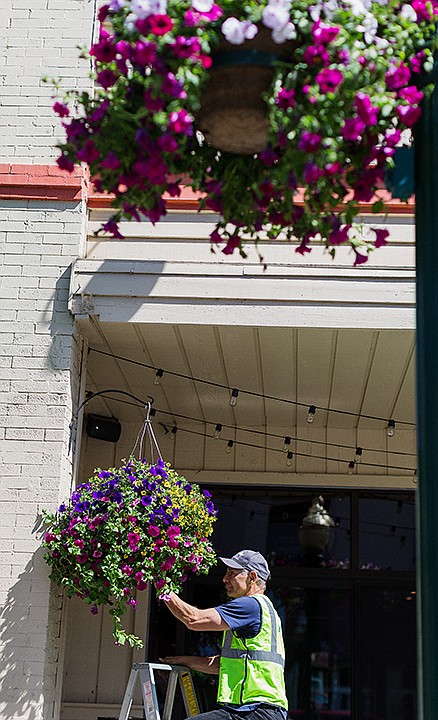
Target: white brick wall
x=39 y=366
x=38 y=38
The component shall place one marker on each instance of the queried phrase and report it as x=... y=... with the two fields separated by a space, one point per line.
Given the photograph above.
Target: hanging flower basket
x=127 y=527
x=335 y=88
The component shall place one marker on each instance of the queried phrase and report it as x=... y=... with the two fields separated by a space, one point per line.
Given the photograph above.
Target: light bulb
x=158 y=375
x=351 y=465
x=390 y=430
x=359 y=452
x=229 y=447
x=173 y=432
x=217 y=431
x=311 y=415
x=289 y=458
x=233 y=397
x=287 y=442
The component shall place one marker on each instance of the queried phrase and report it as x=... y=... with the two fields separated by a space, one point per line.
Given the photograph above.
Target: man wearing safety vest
x=251 y=663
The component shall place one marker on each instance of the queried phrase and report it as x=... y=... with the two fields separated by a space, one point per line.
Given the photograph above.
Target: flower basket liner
x=234 y=115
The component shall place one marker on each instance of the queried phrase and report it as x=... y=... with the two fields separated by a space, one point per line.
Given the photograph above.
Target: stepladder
x=144 y=673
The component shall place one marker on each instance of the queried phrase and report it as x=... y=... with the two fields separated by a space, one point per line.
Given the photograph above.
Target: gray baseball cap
x=249 y=560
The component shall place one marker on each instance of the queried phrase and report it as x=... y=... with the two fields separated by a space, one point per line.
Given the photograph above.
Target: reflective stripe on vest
x=263 y=655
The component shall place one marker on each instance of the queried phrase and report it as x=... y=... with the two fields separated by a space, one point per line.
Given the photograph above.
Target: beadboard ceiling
x=360 y=372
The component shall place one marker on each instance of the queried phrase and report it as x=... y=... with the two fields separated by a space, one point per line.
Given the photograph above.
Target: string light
x=248 y=392
x=287 y=442
x=158 y=375
x=173 y=432
x=229 y=447
x=311 y=415
x=358 y=453
x=140 y=403
x=233 y=397
x=289 y=458
x=217 y=431
x=390 y=430
x=351 y=466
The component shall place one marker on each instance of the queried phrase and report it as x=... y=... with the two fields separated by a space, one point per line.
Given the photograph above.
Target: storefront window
x=350 y=634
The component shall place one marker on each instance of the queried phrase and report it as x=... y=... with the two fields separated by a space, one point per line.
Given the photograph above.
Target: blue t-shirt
x=242 y=615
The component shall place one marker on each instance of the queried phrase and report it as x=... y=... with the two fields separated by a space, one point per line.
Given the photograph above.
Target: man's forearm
x=209 y=665
x=194 y=618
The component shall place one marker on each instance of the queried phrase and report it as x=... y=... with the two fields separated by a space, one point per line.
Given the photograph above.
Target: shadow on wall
x=30 y=631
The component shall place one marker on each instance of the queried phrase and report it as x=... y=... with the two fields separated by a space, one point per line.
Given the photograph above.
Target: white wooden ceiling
x=360 y=372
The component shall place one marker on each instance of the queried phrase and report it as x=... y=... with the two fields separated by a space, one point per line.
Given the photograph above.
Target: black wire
x=298 y=454
x=246 y=392
x=240 y=442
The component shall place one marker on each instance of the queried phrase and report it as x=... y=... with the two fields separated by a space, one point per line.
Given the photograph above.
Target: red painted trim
x=42 y=182
x=48 y=182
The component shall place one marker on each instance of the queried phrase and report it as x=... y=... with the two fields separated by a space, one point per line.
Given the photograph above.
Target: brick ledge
x=48 y=182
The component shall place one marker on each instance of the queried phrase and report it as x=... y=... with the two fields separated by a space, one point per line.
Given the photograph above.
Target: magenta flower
x=111 y=161
x=328 y=80
x=167 y=564
x=408 y=115
x=173 y=531
x=99 y=112
x=181 y=122
x=61 y=109
x=366 y=111
x=160 y=24
x=233 y=242
x=316 y=55
x=106 y=78
x=112 y=228
x=64 y=163
x=144 y=53
x=285 y=98
x=153 y=530
x=324 y=33
x=309 y=142
x=352 y=129
x=411 y=95
x=339 y=235
x=89 y=152
x=397 y=76
x=359 y=258
x=104 y=51
x=381 y=236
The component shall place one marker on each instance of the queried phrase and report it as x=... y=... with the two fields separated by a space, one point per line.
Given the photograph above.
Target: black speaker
x=103 y=428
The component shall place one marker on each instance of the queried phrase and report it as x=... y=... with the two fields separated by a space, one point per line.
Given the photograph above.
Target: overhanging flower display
x=341 y=93
x=127 y=527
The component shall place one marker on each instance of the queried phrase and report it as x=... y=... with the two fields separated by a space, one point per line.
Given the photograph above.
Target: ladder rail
x=179 y=674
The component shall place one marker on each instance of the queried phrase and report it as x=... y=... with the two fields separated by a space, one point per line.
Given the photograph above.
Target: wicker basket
x=233 y=116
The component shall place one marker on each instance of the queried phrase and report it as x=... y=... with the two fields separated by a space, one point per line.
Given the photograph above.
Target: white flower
x=130 y=21
x=116 y=5
x=287 y=32
x=408 y=13
x=249 y=29
x=236 y=31
x=275 y=16
x=158 y=7
x=368 y=26
x=357 y=7
x=141 y=8
x=202 y=5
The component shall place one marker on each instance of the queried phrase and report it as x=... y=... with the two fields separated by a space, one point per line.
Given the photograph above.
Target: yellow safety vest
x=252 y=669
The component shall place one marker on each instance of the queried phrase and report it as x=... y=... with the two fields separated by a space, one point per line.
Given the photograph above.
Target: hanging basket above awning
x=234 y=115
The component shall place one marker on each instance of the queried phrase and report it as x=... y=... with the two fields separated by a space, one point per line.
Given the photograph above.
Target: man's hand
x=209 y=665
